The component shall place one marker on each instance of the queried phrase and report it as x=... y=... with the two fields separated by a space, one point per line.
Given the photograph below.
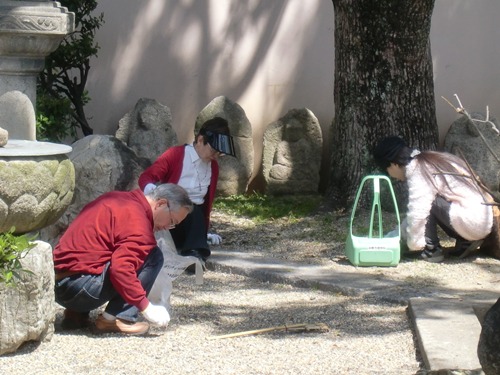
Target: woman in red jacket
x=195 y=168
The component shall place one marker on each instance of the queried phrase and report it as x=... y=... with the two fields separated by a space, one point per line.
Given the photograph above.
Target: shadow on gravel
x=253 y=305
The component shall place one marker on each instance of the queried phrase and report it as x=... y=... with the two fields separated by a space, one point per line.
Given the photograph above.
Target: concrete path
x=447 y=327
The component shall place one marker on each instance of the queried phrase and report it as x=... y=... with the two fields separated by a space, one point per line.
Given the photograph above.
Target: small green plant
x=12 y=249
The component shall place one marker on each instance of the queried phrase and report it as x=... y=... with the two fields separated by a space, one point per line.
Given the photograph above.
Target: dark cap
x=222 y=143
x=388 y=151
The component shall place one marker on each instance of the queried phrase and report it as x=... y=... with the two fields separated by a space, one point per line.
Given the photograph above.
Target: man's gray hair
x=175 y=194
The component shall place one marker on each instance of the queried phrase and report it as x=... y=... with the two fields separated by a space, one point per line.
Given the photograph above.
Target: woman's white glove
x=401 y=230
x=149 y=188
x=214 y=239
x=392 y=233
x=157 y=315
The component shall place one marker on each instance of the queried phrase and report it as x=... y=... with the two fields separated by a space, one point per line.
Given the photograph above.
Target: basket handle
x=376 y=205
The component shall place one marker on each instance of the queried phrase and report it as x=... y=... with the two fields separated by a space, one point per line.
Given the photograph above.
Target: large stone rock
x=292 y=154
x=489 y=341
x=464 y=136
x=27 y=310
x=34 y=191
x=234 y=173
x=4 y=137
x=147 y=129
x=102 y=163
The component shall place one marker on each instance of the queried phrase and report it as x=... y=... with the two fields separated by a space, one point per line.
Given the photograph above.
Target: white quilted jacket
x=469 y=217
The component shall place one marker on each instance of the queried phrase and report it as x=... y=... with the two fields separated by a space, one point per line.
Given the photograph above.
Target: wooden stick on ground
x=317 y=327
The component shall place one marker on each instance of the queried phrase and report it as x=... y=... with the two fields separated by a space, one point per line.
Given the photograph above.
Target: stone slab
x=448 y=333
x=301 y=275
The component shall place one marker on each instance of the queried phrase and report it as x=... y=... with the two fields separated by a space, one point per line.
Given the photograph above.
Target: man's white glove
x=149 y=188
x=157 y=315
x=214 y=239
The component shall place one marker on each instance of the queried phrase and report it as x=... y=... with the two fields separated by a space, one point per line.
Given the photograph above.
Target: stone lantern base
x=35 y=190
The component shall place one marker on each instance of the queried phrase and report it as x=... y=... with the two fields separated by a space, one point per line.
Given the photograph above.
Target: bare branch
x=458 y=100
x=493 y=127
x=490 y=199
x=477 y=181
x=458 y=110
x=462 y=110
x=315 y=327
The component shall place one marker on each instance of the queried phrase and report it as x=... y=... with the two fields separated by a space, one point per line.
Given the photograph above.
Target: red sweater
x=117 y=227
x=168 y=168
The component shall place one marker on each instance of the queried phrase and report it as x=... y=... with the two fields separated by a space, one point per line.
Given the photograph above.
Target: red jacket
x=168 y=168
x=117 y=227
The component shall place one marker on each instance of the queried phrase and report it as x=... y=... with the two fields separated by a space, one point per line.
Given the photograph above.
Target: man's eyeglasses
x=172 y=223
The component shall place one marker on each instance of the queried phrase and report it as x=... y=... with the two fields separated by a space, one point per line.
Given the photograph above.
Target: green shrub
x=54 y=122
x=12 y=249
x=67 y=68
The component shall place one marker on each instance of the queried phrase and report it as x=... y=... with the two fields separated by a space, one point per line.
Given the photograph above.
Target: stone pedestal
x=36 y=178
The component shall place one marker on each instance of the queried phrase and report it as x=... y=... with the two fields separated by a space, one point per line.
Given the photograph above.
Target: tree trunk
x=383 y=85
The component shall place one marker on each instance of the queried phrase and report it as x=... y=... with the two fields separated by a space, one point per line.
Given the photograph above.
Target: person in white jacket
x=441 y=192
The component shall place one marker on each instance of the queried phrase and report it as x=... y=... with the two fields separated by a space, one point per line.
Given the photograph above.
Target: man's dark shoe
x=104 y=325
x=75 y=320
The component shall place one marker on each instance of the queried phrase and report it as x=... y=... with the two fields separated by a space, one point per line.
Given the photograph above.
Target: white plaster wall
x=268 y=56
x=465 y=41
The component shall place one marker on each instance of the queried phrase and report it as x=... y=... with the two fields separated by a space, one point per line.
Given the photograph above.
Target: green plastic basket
x=374 y=249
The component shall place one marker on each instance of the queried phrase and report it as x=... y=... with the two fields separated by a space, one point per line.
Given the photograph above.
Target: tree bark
x=383 y=85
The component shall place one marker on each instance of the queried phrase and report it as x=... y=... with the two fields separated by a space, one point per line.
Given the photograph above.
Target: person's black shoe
x=433 y=255
x=463 y=248
x=201 y=254
x=191 y=270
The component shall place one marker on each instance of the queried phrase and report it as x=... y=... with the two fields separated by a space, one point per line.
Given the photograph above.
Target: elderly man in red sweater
x=109 y=254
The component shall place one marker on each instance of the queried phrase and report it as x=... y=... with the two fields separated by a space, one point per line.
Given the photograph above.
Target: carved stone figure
x=147 y=129
x=235 y=173
x=292 y=153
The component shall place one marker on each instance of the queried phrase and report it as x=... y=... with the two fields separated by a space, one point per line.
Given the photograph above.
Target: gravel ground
x=366 y=335
x=320 y=240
